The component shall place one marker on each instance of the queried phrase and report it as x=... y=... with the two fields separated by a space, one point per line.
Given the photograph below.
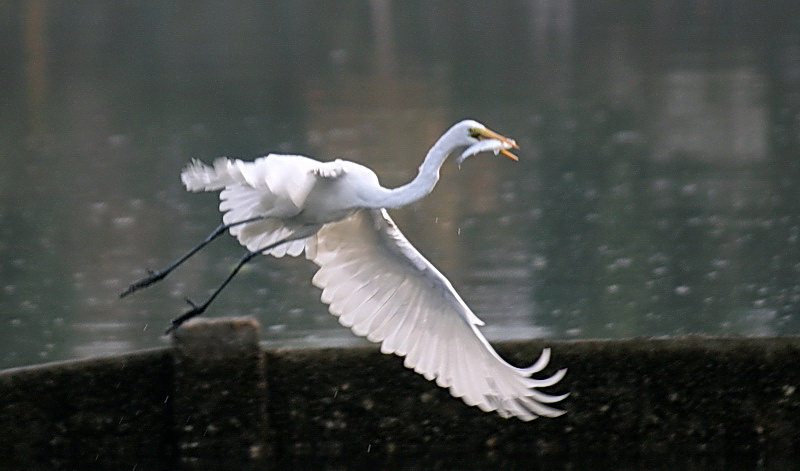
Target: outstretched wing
x=381 y=287
x=274 y=187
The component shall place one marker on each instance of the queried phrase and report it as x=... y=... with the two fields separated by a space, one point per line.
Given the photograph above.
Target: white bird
x=372 y=278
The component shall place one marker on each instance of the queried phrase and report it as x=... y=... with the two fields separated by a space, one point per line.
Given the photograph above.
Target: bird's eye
x=475 y=133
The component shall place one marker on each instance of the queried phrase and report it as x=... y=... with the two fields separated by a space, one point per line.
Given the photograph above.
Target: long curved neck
x=425 y=180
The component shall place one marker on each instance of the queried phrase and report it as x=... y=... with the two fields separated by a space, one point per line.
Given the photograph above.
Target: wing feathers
x=383 y=289
x=274 y=187
x=375 y=281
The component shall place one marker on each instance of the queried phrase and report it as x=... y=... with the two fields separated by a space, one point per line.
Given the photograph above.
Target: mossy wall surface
x=218 y=398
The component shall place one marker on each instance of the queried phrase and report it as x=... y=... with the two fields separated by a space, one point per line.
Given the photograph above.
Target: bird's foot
x=196 y=310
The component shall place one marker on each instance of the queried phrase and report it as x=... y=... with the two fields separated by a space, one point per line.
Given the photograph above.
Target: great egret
x=371 y=277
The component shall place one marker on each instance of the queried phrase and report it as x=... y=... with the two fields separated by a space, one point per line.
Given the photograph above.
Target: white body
x=372 y=278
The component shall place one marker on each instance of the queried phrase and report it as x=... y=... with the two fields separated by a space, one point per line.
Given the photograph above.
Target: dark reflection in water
x=656 y=194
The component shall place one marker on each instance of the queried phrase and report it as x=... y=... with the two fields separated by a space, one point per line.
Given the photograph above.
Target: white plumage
x=371 y=277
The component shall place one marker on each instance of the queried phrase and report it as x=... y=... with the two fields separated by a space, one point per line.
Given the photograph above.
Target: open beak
x=489 y=134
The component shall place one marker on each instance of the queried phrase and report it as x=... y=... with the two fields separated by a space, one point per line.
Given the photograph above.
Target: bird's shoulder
x=330 y=170
x=339 y=169
x=308 y=182
x=327 y=170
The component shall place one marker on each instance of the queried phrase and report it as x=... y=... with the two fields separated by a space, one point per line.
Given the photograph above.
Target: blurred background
x=656 y=195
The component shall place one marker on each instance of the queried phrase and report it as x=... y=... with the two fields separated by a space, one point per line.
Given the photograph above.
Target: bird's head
x=479 y=138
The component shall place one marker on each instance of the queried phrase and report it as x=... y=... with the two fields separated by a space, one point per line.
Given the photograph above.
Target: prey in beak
x=483 y=133
x=488 y=141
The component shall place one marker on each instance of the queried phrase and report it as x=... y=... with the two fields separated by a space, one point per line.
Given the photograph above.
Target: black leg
x=158 y=275
x=196 y=310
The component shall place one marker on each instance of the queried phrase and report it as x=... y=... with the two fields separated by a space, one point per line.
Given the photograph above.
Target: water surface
x=656 y=192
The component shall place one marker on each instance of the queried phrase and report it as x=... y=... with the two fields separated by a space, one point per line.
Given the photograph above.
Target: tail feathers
x=198 y=176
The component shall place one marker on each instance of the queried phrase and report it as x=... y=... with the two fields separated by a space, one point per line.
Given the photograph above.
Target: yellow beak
x=489 y=134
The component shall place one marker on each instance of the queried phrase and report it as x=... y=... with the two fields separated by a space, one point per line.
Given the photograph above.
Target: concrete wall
x=216 y=399
x=88 y=414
